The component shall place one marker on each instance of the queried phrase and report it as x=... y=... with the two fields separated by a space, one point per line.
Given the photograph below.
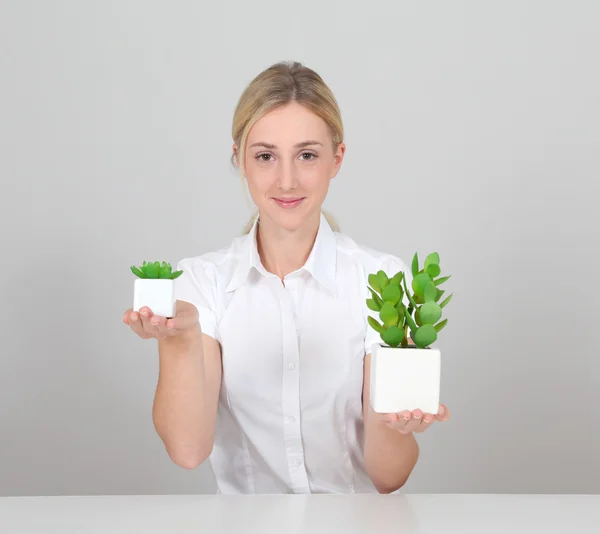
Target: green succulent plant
x=155 y=270
x=423 y=313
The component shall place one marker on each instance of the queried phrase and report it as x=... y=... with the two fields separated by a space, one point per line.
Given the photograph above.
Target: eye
x=313 y=156
x=262 y=158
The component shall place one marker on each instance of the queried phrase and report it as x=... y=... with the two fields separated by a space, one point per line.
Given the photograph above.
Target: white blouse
x=290 y=407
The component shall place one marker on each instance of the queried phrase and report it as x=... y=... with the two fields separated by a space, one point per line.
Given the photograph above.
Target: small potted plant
x=406 y=376
x=154 y=288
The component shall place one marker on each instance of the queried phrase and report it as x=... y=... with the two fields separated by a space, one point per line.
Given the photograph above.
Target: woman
x=265 y=367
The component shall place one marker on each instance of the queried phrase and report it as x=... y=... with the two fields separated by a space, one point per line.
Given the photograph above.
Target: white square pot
x=157 y=294
x=405 y=379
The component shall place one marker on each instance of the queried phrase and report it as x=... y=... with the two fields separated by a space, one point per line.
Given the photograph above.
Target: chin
x=290 y=219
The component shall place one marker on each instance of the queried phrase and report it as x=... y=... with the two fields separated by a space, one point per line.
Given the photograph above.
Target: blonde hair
x=280 y=84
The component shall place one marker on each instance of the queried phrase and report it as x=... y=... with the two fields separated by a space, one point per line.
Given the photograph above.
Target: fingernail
x=134 y=317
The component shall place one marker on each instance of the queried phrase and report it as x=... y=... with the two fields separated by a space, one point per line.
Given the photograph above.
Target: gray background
x=472 y=130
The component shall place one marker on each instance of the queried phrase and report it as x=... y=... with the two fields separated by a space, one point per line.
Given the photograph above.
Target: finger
x=406 y=416
x=414 y=423
x=390 y=418
x=417 y=416
x=127 y=316
x=146 y=315
x=427 y=419
x=401 y=421
x=443 y=413
x=426 y=422
x=135 y=323
x=159 y=323
x=186 y=316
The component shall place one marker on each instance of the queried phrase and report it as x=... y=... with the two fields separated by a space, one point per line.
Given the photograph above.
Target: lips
x=288 y=202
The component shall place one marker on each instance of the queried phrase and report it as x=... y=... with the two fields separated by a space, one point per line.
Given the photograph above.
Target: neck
x=284 y=251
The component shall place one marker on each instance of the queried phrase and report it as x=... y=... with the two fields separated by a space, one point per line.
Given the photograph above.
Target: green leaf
x=448 y=298
x=176 y=274
x=415 y=265
x=410 y=321
x=420 y=282
x=432 y=259
x=391 y=294
x=440 y=292
x=375 y=325
x=374 y=283
x=418 y=317
x=383 y=279
x=433 y=270
x=152 y=270
x=397 y=278
x=393 y=336
x=408 y=295
x=424 y=336
x=165 y=271
x=376 y=298
x=372 y=305
x=430 y=313
x=430 y=292
x=137 y=272
x=440 y=281
x=388 y=314
x=441 y=325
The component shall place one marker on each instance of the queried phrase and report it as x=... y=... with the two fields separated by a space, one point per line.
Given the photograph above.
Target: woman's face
x=290 y=161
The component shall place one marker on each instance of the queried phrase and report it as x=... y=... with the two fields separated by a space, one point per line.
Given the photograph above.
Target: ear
x=235 y=154
x=338 y=158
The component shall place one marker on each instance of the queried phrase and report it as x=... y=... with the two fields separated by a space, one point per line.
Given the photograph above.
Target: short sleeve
x=197 y=285
x=391 y=265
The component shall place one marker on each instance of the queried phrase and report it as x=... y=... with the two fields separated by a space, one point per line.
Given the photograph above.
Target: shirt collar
x=321 y=262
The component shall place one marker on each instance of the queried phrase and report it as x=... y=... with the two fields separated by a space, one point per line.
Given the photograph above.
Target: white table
x=291 y=514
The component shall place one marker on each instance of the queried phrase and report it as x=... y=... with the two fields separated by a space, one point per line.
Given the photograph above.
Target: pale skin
x=289 y=154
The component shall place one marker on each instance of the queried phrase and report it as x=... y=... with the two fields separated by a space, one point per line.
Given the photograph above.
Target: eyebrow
x=297 y=145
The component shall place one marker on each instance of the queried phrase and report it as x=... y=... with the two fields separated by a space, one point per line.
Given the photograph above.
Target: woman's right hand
x=149 y=326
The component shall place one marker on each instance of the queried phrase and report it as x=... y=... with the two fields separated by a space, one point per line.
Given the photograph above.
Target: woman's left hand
x=416 y=421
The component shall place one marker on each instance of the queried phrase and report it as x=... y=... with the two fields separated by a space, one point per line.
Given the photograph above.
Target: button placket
x=291 y=288
x=290 y=397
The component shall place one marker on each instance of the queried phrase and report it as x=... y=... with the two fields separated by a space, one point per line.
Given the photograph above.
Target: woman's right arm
x=187 y=394
x=185 y=404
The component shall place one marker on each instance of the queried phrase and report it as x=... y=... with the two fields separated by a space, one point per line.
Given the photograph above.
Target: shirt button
x=291 y=419
x=291 y=365
x=298 y=463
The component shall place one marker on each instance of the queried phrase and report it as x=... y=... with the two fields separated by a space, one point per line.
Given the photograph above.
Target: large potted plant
x=406 y=376
x=154 y=288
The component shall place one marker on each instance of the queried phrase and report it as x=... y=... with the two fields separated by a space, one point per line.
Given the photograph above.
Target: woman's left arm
x=391 y=450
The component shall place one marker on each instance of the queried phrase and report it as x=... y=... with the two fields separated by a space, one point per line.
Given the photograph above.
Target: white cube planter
x=157 y=294
x=405 y=379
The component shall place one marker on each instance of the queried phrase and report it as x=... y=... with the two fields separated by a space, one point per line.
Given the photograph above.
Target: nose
x=287 y=176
